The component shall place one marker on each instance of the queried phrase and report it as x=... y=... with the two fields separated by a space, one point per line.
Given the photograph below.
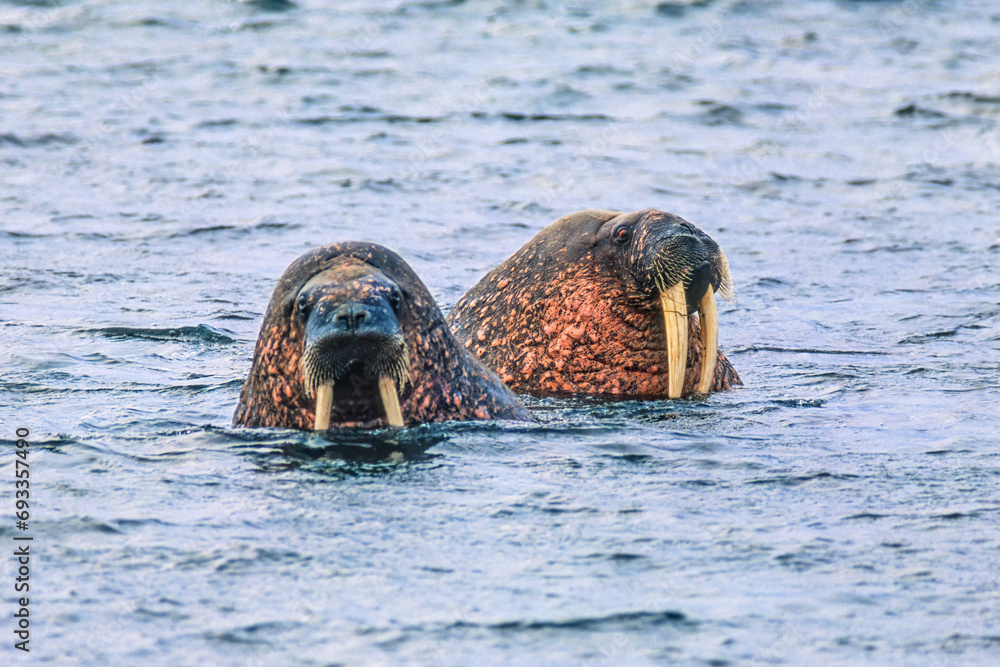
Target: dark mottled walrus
x=598 y=302
x=352 y=337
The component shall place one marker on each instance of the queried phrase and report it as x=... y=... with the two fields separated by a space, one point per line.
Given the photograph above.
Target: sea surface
x=161 y=163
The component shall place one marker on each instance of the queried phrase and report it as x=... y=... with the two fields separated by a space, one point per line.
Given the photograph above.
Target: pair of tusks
x=675 y=320
x=386 y=389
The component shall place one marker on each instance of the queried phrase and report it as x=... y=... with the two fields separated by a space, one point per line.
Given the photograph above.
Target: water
x=161 y=165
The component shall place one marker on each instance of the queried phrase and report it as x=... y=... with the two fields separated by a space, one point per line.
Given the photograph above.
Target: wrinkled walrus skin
x=369 y=297
x=576 y=310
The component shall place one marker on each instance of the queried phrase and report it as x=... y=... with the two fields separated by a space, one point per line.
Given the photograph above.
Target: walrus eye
x=395 y=300
x=622 y=234
x=302 y=306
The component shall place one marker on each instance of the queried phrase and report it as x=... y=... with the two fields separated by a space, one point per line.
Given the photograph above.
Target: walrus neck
x=577 y=354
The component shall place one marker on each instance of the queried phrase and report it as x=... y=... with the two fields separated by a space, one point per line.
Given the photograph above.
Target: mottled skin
x=443 y=381
x=576 y=310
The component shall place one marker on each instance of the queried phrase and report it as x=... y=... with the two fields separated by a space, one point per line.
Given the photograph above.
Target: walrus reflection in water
x=604 y=302
x=352 y=337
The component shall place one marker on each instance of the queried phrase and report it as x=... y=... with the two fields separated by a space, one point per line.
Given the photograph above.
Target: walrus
x=352 y=337
x=604 y=302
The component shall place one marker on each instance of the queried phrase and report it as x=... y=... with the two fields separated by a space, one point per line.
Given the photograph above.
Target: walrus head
x=601 y=302
x=352 y=337
x=354 y=348
x=666 y=258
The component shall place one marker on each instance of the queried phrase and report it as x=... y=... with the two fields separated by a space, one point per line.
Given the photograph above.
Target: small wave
x=47 y=139
x=342 y=452
x=55 y=443
x=768 y=282
x=430 y=5
x=933 y=119
x=367 y=118
x=784 y=178
x=865 y=516
x=805 y=350
x=188 y=334
x=717 y=113
x=971 y=97
x=599 y=70
x=628 y=618
x=70 y=525
x=955 y=516
x=926 y=337
x=543 y=117
x=795 y=480
x=158 y=22
x=270 y=5
x=805 y=559
x=913 y=111
x=676 y=10
x=799 y=402
x=221 y=122
x=255 y=634
x=234 y=230
x=616 y=557
x=128 y=524
x=259 y=556
x=515 y=206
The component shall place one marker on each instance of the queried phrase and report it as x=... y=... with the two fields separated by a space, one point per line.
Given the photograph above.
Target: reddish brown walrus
x=598 y=303
x=352 y=337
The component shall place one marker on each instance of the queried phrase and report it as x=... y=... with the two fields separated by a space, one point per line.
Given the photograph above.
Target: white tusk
x=675 y=322
x=709 y=340
x=324 y=402
x=390 y=400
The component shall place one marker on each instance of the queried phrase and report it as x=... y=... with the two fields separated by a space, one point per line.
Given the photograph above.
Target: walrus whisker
x=726 y=288
x=324 y=403
x=399 y=371
x=390 y=400
x=709 y=340
x=325 y=364
x=675 y=324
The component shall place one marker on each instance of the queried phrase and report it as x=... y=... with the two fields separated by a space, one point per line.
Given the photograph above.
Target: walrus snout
x=354 y=349
x=355 y=342
x=372 y=318
x=680 y=252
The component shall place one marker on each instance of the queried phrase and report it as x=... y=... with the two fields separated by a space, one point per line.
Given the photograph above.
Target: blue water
x=161 y=165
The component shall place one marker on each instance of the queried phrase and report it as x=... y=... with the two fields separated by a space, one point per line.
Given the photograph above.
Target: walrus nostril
x=351 y=317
